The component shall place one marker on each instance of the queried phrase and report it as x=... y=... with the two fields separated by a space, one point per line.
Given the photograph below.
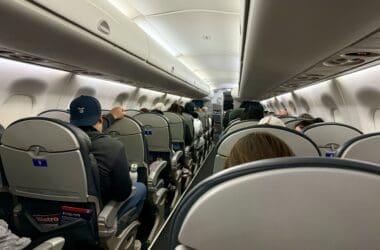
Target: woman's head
x=304 y=123
x=175 y=108
x=257 y=146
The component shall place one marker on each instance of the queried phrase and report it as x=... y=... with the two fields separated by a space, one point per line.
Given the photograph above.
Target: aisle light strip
x=140 y=20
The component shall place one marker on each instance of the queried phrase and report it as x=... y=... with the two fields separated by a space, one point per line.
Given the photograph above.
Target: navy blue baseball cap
x=85 y=111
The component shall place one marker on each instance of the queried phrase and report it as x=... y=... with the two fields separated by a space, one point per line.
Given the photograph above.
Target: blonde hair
x=257 y=146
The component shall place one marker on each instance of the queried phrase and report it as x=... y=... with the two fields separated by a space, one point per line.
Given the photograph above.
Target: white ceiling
x=203 y=34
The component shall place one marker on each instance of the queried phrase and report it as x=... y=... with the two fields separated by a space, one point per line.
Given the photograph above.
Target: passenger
x=115 y=181
x=159 y=108
x=304 y=123
x=257 y=146
x=283 y=112
x=175 y=108
x=237 y=113
x=198 y=128
x=205 y=109
x=144 y=110
x=255 y=111
x=272 y=120
x=305 y=116
x=10 y=241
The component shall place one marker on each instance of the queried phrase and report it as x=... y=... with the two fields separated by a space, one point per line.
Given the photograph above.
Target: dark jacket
x=115 y=181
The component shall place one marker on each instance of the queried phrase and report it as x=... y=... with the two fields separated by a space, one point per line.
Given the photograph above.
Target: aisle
x=162 y=242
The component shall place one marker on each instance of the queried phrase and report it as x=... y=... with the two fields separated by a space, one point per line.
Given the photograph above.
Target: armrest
x=107 y=218
x=155 y=170
x=175 y=158
x=51 y=244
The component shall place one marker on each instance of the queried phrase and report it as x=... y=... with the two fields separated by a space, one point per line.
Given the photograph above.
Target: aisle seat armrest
x=175 y=158
x=155 y=171
x=107 y=219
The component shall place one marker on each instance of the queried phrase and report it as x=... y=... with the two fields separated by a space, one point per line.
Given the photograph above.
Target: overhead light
x=125 y=8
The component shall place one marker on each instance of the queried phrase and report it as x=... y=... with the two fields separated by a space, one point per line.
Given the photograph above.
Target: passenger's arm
x=115 y=114
x=121 y=181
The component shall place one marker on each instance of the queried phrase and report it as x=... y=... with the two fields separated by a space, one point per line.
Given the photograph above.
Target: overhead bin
x=85 y=38
x=294 y=43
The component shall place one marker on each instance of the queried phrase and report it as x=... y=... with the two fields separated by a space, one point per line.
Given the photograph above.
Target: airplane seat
x=364 y=148
x=132 y=112
x=157 y=132
x=131 y=134
x=6 y=199
x=286 y=119
x=283 y=203
x=59 y=114
x=177 y=130
x=63 y=197
x=300 y=144
x=239 y=125
x=292 y=123
x=189 y=147
x=233 y=122
x=330 y=135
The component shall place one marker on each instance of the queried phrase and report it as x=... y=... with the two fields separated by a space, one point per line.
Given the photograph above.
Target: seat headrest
x=132 y=112
x=125 y=126
x=330 y=134
x=239 y=125
x=152 y=119
x=284 y=203
x=26 y=133
x=173 y=117
x=364 y=147
x=300 y=144
x=59 y=114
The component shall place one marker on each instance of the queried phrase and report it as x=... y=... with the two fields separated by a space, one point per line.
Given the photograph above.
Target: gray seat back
x=299 y=143
x=156 y=130
x=286 y=119
x=3 y=181
x=292 y=123
x=188 y=119
x=132 y=112
x=330 y=135
x=177 y=127
x=233 y=122
x=56 y=156
x=364 y=147
x=287 y=204
x=131 y=134
x=240 y=125
x=59 y=114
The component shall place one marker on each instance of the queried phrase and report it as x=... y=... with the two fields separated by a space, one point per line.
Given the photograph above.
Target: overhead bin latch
x=104 y=27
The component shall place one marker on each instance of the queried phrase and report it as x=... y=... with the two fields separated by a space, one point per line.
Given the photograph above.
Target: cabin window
x=16 y=107
x=336 y=116
x=376 y=119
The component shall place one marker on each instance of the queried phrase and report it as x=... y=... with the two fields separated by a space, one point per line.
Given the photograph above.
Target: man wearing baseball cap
x=115 y=181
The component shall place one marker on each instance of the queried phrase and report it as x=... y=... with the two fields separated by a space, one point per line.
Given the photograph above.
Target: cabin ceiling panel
x=194 y=33
x=203 y=35
x=149 y=7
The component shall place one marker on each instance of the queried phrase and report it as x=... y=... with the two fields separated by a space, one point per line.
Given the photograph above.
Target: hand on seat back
x=117 y=112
